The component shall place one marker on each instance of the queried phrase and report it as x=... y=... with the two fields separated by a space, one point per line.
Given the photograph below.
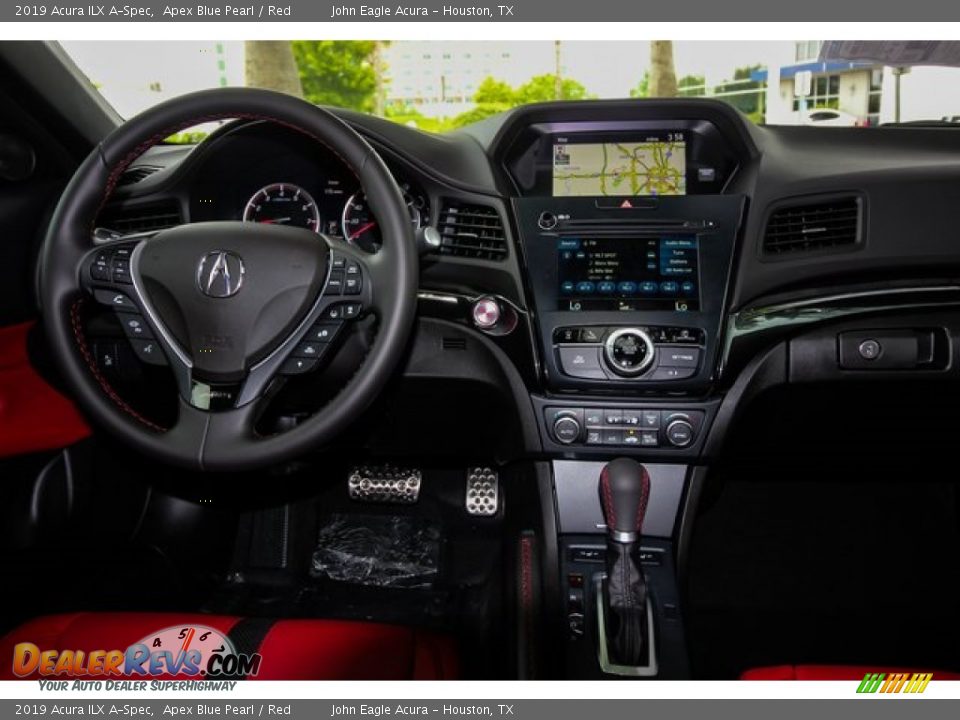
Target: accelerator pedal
x=483 y=491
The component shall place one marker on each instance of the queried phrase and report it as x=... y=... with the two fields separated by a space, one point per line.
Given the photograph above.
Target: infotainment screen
x=659 y=272
x=656 y=165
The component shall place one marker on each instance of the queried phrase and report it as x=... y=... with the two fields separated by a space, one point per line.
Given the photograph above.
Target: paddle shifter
x=624 y=491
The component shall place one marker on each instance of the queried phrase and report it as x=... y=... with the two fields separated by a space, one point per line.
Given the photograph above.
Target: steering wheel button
x=323 y=332
x=351 y=285
x=117 y=300
x=121 y=271
x=351 y=310
x=298 y=365
x=353 y=268
x=148 y=351
x=308 y=350
x=335 y=283
x=135 y=326
x=339 y=262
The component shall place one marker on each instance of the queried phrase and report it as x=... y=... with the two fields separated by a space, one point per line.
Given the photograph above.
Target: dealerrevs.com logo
x=888 y=683
x=193 y=651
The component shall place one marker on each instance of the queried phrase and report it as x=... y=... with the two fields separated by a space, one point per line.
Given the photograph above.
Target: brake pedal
x=384 y=484
x=483 y=491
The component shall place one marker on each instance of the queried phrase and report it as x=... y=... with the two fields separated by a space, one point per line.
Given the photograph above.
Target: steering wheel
x=232 y=305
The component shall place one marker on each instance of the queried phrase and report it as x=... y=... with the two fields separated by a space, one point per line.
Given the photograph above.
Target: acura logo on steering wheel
x=220 y=274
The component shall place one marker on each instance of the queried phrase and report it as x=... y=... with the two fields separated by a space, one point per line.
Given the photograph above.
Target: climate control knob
x=566 y=429
x=629 y=351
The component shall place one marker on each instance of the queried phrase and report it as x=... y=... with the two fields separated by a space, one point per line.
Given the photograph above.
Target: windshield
x=440 y=86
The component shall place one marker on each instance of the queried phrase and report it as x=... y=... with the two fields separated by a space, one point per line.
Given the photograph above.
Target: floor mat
x=378 y=550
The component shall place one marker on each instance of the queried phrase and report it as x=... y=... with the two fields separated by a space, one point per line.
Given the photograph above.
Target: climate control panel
x=624 y=427
x=648 y=353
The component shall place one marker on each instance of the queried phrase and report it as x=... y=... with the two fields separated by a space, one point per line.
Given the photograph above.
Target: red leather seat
x=290 y=649
x=832 y=672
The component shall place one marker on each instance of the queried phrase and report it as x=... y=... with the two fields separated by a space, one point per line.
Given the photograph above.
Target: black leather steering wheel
x=229 y=303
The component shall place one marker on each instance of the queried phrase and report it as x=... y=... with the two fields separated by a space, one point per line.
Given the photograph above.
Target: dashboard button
x=612 y=417
x=593 y=417
x=594 y=437
x=869 y=349
x=629 y=351
x=581 y=362
x=631 y=437
x=650 y=419
x=592 y=334
x=613 y=437
x=547 y=220
x=566 y=335
x=679 y=432
x=686 y=357
x=672 y=373
x=649 y=438
x=632 y=418
x=566 y=429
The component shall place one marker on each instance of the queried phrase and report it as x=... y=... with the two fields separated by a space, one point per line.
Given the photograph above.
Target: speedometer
x=283 y=204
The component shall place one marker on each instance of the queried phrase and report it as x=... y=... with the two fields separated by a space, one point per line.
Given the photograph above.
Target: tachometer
x=283 y=204
x=360 y=226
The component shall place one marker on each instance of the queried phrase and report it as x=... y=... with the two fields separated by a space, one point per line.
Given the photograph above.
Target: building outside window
x=825 y=93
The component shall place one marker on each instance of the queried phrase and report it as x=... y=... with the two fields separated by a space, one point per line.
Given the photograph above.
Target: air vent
x=812 y=227
x=129 y=220
x=136 y=174
x=472 y=231
x=454 y=343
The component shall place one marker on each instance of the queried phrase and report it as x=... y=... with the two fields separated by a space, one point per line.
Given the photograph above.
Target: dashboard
x=625 y=256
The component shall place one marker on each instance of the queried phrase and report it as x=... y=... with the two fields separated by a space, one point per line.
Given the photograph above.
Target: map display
x=656 y=167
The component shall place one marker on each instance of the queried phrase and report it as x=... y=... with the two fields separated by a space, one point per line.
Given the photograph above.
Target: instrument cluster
x=260 y=174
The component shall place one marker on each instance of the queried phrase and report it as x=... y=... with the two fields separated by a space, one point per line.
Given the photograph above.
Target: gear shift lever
x=624 y=492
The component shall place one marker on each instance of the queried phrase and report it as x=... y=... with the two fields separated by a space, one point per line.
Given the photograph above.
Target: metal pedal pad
x=483 y=491
x=384 y=484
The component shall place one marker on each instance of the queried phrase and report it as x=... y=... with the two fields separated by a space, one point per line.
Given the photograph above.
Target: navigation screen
x=652 y=167
x=648 y=273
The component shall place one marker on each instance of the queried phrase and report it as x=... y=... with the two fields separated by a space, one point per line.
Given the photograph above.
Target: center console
x=628 y=239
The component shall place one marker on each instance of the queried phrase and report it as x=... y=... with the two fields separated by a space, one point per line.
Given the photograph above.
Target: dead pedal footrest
x=384 y=484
